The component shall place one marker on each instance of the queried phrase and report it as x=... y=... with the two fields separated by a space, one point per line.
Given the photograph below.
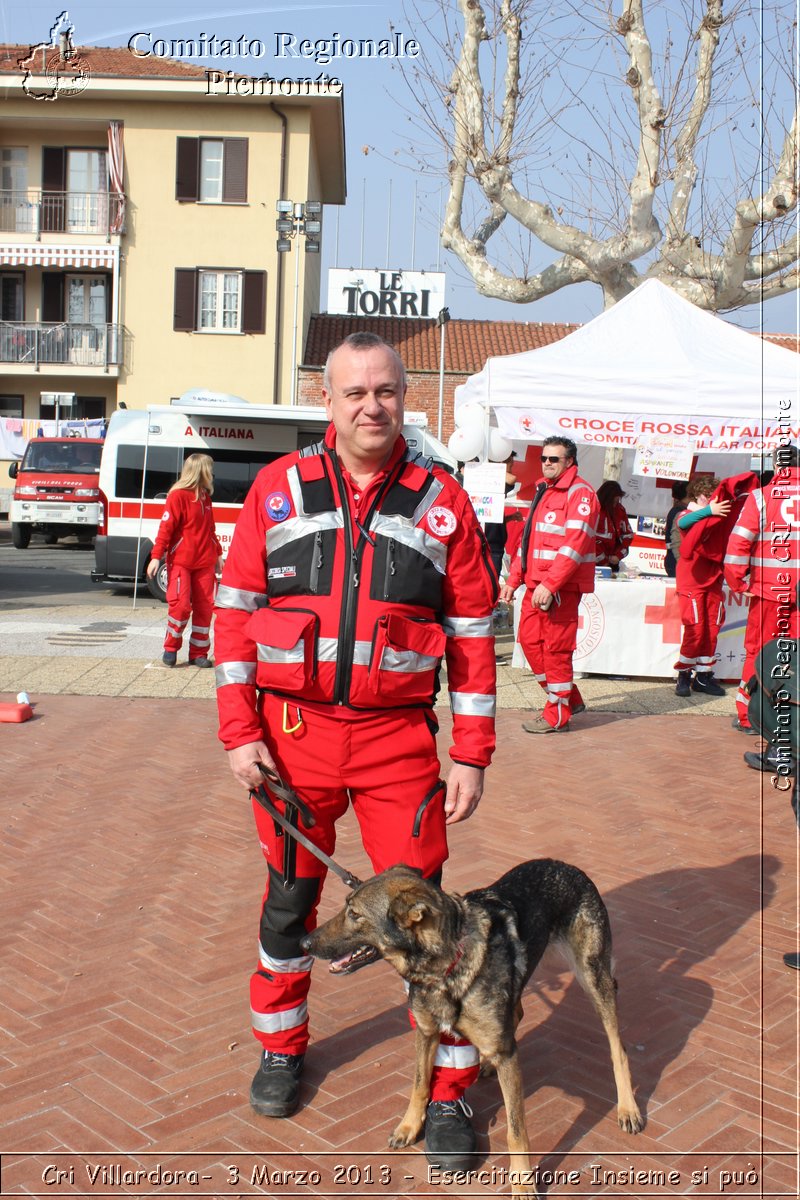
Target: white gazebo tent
x=654 y=363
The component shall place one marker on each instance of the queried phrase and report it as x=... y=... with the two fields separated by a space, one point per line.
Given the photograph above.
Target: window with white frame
x=219 y=302
x=211 y=170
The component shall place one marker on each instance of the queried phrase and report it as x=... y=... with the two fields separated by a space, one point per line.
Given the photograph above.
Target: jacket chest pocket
x=286 y=643
x=552 y=526
x=405 y=658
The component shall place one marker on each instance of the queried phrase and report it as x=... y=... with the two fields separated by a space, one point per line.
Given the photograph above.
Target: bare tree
x=622 y=153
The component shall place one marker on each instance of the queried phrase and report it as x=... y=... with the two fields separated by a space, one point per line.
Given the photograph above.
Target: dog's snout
x=305 y=943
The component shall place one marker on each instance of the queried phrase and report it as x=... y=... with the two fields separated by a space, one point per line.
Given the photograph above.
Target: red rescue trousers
x=702 y=615
x=386 y=765
x=766 y=620
x=190 y=592
x=548 y=640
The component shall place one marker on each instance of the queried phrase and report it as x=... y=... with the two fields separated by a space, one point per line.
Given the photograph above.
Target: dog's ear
x=408 y=908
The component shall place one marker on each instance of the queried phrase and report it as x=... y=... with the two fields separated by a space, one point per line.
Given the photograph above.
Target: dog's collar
x=460 y=948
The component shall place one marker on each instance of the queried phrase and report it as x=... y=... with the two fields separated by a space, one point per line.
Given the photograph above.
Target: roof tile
x=109 y=61
x=468 y=344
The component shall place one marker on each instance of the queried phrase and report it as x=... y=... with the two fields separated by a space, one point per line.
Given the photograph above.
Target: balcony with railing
x=34 y=212
x=27 y=344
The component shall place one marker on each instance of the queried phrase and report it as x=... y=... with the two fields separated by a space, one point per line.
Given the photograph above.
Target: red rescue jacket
x=561 y=550
x=614 y=534
x=700 y=564
x=763 y=553
x=187 y=534
x=355 y=614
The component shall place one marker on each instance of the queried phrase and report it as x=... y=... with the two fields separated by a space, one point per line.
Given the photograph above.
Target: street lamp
x=441 y=321
x=295 y=219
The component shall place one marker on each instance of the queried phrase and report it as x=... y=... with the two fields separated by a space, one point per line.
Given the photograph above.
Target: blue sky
x=384 y=188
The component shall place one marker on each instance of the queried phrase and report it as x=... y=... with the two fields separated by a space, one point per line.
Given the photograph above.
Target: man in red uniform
x=556 y=561
x=763 y=561
x=355 y=565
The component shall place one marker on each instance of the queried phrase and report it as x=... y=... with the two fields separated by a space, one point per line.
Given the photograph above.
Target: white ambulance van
x=145 y=450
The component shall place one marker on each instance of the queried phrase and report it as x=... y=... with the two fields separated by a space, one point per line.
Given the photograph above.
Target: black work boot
x=705 y=682
x=682 y=686
x=449 y=1137
x=275 y=1090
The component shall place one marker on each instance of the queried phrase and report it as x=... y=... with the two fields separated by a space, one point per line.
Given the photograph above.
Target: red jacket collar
x=564 y=481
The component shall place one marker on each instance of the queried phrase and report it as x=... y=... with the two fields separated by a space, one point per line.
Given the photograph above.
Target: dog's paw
x=404 y=1135
x=630 y=1120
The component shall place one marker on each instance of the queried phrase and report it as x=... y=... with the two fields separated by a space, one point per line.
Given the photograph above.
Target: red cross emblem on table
x=667 y=615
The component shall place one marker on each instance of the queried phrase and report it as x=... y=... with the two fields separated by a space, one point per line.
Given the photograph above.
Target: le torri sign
x=357 y=293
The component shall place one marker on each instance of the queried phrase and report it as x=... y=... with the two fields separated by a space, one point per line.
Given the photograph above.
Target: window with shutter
x=212 y=301
x=211 y=170
x=185 y=307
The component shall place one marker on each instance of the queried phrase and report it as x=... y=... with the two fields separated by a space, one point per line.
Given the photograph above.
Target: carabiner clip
x=294 y=728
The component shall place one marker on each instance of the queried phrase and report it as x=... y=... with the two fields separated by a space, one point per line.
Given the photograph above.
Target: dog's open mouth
x=354 y=961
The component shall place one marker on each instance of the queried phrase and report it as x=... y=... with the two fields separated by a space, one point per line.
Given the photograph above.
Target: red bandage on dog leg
x=15 y=712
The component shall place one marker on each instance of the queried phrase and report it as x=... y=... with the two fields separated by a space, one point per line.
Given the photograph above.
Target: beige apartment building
x=138 y=254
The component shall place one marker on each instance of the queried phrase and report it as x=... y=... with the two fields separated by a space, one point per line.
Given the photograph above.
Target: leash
x=291 y=799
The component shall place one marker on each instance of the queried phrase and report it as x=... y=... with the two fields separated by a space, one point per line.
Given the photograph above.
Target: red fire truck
x=56 y=489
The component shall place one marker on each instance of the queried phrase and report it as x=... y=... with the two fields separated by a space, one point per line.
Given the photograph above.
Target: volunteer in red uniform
x=355 y=566
x=705 y=525
x=763 y=561
x=555 y=560
x=187 y=537
x=614 y=533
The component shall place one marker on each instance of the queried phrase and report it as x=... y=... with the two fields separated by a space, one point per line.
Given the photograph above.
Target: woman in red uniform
x=614 y=534
x=189 y=540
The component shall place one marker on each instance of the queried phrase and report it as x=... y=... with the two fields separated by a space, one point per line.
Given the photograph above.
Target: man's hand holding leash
x=244 y=760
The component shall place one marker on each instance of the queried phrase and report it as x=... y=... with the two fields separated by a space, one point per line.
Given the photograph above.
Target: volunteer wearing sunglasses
x=555 y=561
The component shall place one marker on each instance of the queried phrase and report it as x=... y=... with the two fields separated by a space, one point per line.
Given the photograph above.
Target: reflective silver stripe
x=457 y=1057
x=295 y=528
x=560 y=687
x=472 y=704
x=741 y=559
x=578 y=487
x=544 y=527
x=545 y=553
x=568 y=552
x=407 y=661
x=277 y=1022
x=284 y=966
x=540 y=678
x=235 y=672
x=774 y=560
x=199 y=641
x=201 y=629
x=584 y=528
x=177 y=624
x=468 y=627
x=431 y=496
x=403 y=530
x=327 y=649
x=303 y=524
x=362 y=653
x=271 y=654
x=228 y=597
x=745 y=533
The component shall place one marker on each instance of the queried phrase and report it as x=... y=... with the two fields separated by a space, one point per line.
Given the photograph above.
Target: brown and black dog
x=467 y=960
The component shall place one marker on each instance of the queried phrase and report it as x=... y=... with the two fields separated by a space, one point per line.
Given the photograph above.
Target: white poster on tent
x=663 y=457
x=485 y=484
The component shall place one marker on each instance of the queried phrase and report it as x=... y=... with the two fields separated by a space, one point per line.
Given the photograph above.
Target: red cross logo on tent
x=667 y=615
